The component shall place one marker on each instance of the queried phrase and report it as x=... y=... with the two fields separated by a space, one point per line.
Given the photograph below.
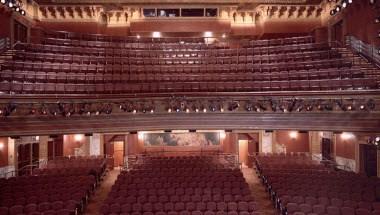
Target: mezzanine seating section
x=299 y=186
x=289 y=64
x=180 y=185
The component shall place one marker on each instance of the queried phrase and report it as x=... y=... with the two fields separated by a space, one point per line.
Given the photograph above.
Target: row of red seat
x=117 y=208
x=75 y=166
x=134 y=198
x=127 y=45
x=93 y=51
x=91 y=78
x=303 y=209
x=248 y=67
x=161 y=44
x=166 y=87
x=295 y=191
x=280 y=41
x=44 y=208
x=174 y=194
x=173 y=59
x=16 y=197
x=56 y=189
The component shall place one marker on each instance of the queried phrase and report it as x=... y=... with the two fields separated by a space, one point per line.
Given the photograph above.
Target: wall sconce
x=293 y=134
x=1 y=146
x=347 y=135
x=222 y=135
x=78 y=137
x=140 y=135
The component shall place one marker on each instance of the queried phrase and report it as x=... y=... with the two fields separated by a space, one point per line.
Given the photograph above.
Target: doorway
x=337 y=32
x=20 y=32
x=326 y=149
x=27 y=155
x=243 y=153
x=55 y=148
x=368 y=159
x=118 y=153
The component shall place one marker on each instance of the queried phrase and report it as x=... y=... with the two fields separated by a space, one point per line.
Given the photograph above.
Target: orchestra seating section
x=180 y=185
x=46 y=194
x=298 y=185
x=74 y=166
x=80 y=65
x=62 y=187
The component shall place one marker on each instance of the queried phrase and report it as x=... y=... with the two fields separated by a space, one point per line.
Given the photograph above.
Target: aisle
x=258 y=191
x=101 y=193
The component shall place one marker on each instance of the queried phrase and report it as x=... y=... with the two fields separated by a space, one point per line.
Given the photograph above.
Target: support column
x=43 y=152
x=378 y=163
x=95 y=144
x=275 y=144
x=86 y=145
x=12 y=153
x=315 y=142
x=266 y=142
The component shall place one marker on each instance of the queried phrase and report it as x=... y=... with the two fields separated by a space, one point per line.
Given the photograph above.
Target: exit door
x=326 y=149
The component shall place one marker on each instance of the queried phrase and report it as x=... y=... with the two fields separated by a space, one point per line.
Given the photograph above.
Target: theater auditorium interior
x=190 y=107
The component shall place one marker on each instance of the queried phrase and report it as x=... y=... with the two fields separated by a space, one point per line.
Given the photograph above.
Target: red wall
x=299 y=144
x=4 y=152
x=5 y=18
x=345 y=148
x=85 y=27
x=229 y=143
x=69 y=144
x=358 y=20
x=181 y=26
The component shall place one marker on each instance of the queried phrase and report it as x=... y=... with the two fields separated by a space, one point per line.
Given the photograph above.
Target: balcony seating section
x=180 y=185
x=48 y=194
x=298 y=185
x=289 y=64
x=74 y=166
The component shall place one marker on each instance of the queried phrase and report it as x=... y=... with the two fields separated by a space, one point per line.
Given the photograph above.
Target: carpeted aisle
x=101 y=193
x=258 y=190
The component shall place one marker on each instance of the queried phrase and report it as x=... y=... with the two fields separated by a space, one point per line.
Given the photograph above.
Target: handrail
x=215 y=153
x=368 y=51
x=67 y=34
x=135 y=49
x=4 y=44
